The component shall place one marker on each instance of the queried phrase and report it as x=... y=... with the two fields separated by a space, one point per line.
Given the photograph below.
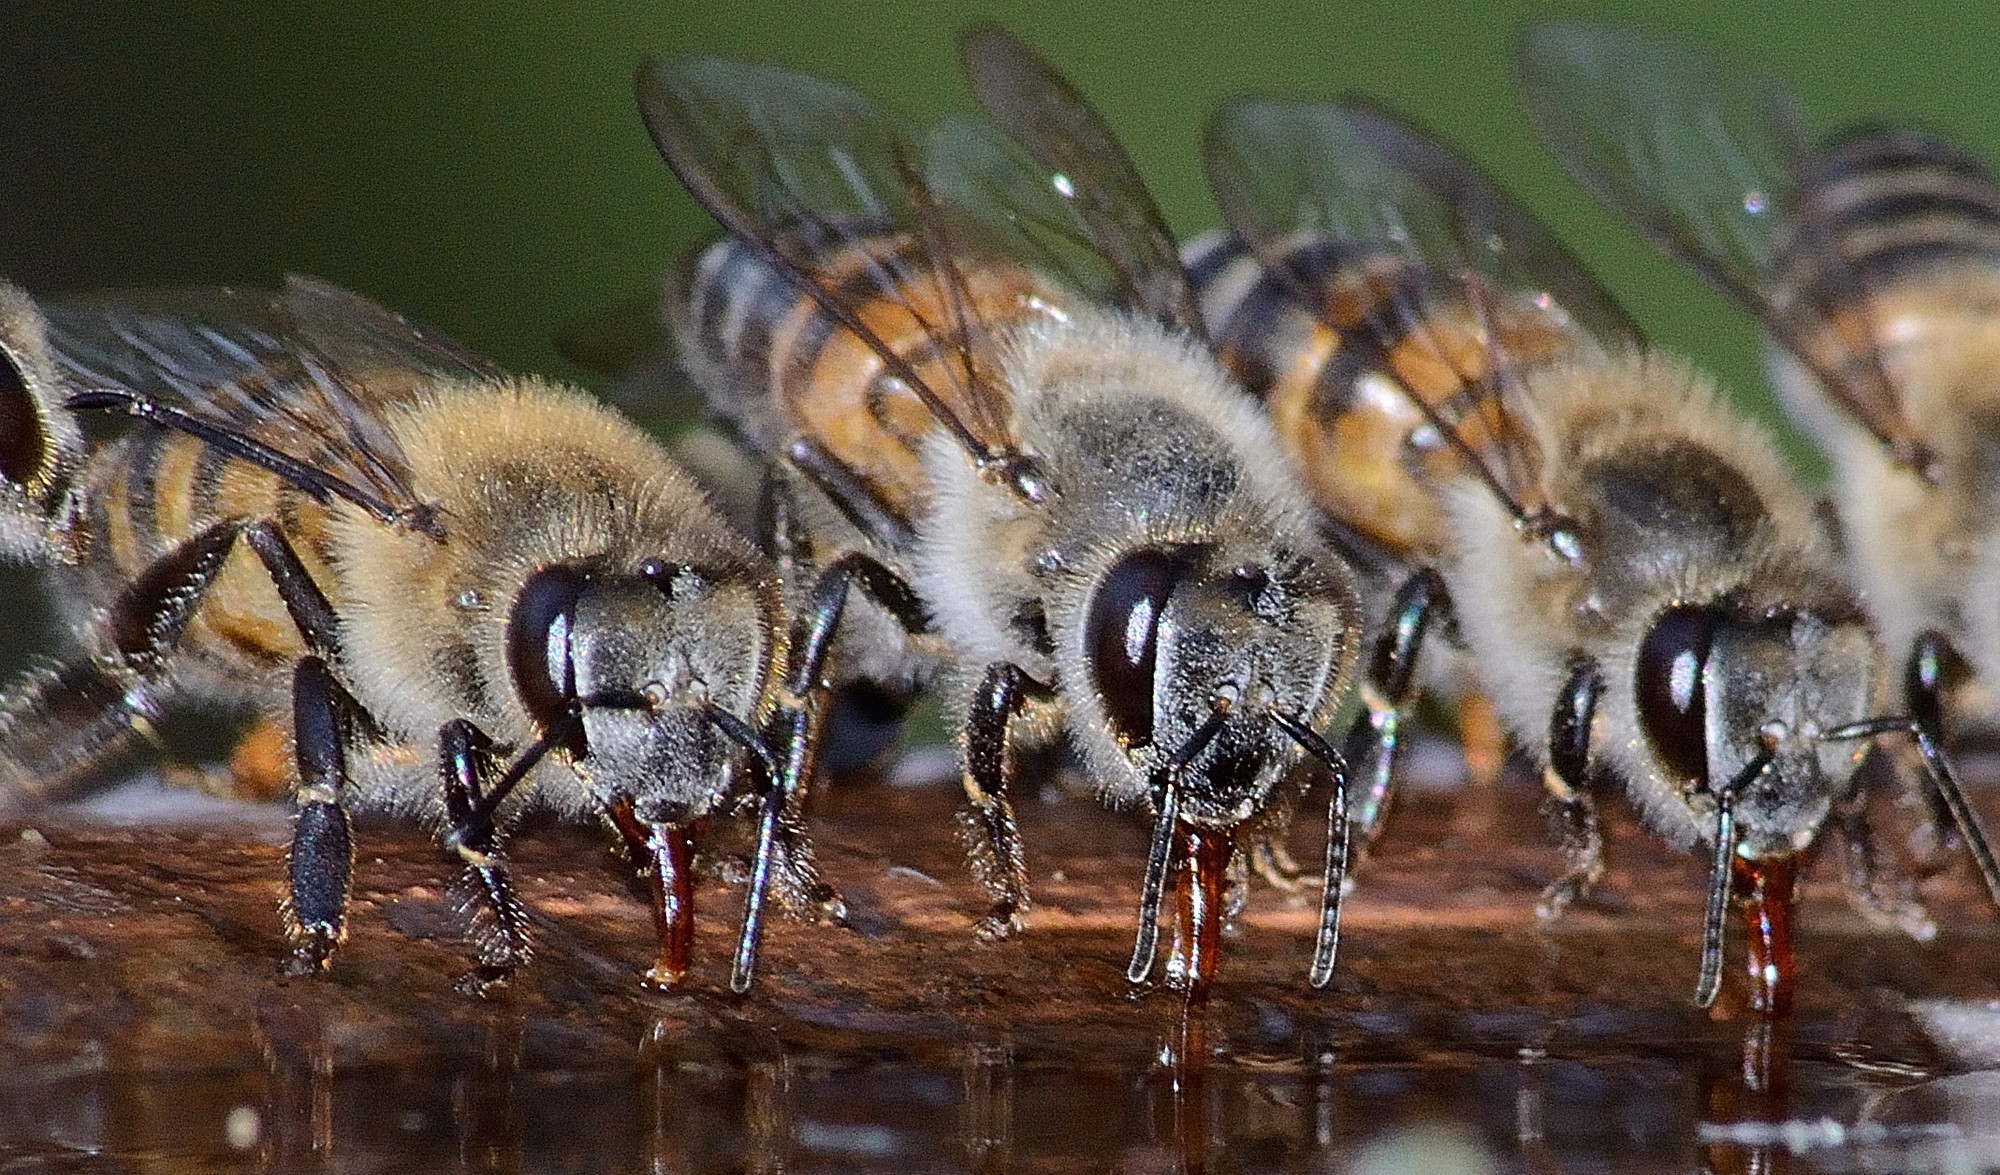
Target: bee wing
x=1702 y=156
x=293 y=381
x=805 y=170
x=1075 y=165
x=1359 y=178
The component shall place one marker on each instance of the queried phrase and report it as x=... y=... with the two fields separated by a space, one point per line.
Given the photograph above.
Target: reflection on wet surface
x=1581 y=1100
x=147 y=1029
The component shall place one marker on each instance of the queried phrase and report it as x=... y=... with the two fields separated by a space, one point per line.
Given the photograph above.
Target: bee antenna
x=1720 y=875
x=744 y=735
x=468 y=824
x=1158 y=858
x=1710 y=982
x=1327 y=943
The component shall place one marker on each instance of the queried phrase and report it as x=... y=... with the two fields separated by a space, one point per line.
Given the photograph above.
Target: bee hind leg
x=320 y=866
x=65 y=723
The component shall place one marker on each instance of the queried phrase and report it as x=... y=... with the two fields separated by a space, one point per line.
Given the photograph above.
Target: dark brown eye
x=21 y=439
x=1673 y=706
x=1121 y=637
x=538 y=649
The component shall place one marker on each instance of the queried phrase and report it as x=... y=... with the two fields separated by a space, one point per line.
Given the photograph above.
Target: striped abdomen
x=1334 y=376
x=155 y=489
x=1894 y=246
x=1886 y=206
x=780 y=367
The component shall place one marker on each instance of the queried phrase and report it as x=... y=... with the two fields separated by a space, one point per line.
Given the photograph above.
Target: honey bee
x=983 y=375
x=1873 y=264
x=1638 y=582
x=470 y=595
x=1378 y=412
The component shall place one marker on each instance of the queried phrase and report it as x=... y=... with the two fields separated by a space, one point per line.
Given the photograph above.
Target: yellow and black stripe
x=773 y=352
x=1882 y=206
x=1346 y=343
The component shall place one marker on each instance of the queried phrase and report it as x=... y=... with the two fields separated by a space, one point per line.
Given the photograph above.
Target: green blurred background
x=480 y=166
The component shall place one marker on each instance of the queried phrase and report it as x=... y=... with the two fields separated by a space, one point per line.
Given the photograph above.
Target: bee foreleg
x=67 y=721
x=794 y=730
x=1567 y=778
x=993 y=840
x=1386 y=693
x=1865 y=885
x=786 y=539
x=321 y=862
x=467 y=765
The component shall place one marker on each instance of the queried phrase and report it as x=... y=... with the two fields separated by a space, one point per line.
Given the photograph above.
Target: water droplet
x=1064 y=188
x=1754 y=202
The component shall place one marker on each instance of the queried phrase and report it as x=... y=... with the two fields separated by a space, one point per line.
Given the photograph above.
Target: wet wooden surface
x=153 y=945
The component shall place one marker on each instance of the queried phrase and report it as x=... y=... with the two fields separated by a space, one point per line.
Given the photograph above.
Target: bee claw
x=484 y=981
x=999 y=925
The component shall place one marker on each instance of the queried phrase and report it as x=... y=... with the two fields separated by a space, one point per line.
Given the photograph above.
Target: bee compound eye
x=1673 y=704
x=22 y=441
x=1121 y=638
x=538 y=644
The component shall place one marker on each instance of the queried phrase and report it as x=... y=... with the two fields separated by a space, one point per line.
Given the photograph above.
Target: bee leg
x=794 y=730
x=1567 y=779
x=1386 y=693
x=797 y=727
x=66 y=721
x=993 y=840
x=1935 y=671
x=1935 y=668
x=321 y=863
x=467 y=765
x=1270 y=859
x=1865 y=886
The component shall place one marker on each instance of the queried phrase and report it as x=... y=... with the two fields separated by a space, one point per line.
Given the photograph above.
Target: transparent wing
x=1074 y=163
x=294 y=381
x=831 y=191
x=1387 y=232
x=990 y=182
x=1703 y=156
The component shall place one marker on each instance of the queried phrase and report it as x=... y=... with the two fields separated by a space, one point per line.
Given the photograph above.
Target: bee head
x=1171 y=634
x=627 y=671
x=1729 y=699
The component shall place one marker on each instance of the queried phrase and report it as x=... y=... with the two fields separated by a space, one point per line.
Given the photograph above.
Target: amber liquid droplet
x=1204 y=855
x=1764 y=889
